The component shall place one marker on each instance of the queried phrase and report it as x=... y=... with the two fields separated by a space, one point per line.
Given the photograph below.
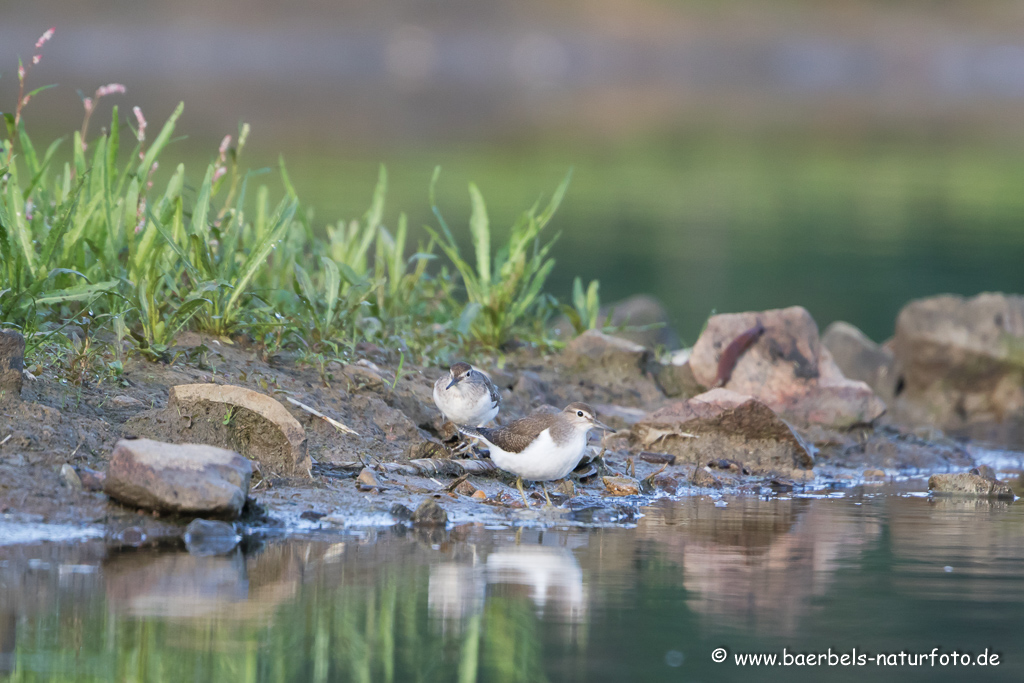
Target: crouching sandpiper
x=541 y=447
x=466 y=397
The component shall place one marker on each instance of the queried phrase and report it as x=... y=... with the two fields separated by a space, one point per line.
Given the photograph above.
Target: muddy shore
x=56 y=423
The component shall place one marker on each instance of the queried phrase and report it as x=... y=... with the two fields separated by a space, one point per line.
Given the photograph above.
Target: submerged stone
x=429 y=513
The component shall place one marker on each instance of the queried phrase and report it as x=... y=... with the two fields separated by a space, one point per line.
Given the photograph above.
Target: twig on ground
x=331 y=420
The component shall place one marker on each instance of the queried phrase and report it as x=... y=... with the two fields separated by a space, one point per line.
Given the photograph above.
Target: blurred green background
x=727 y=155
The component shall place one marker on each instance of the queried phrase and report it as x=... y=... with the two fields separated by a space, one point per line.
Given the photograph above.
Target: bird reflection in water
x=549 y=576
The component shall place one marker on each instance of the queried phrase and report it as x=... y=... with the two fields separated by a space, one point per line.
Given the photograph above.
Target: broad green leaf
x=77 y=293
x=17 y=225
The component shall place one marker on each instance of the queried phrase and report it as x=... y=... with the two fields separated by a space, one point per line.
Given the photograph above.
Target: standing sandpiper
x=466 y=396
x=541 y=447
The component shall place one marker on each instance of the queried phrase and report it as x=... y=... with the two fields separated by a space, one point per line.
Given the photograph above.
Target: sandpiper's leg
x=519 y=485
x=462 y=447
x=546 y=496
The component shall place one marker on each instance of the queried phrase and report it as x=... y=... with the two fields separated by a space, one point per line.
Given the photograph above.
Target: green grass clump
x=504 y=292
x=90 y=237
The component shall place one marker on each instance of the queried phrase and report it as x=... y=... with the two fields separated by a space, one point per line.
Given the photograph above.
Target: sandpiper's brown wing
x=516 y=436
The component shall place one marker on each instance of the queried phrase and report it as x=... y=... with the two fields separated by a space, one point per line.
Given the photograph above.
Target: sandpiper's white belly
x=542 y=460
x=473 y=408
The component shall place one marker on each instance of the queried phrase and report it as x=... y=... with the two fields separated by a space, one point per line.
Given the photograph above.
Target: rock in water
x=786 y=368
x=724 y=424
x=702 y=478
x=12 y=363
x=621 y=486
x=246 y=421
x=429 y=513
x=186 y=479
x=962 y=365
x=967 y=484
x=204 y=537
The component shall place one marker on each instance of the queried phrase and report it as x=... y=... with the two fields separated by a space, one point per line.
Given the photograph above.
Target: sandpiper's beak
x=455 y=380
x=602 y=425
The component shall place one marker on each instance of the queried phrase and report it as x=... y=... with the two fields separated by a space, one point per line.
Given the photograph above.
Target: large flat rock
x=787 y=368
x=184 y=479
x=232 y=417
x=724 y=424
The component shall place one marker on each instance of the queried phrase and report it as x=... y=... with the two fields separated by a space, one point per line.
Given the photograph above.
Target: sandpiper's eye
x=580 y=413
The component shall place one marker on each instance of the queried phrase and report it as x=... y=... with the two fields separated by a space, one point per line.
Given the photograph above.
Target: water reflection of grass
x=352 y=631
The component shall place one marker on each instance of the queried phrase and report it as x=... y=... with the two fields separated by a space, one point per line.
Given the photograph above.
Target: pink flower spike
x=87 y=103
x=141 y=134
x=36 y=58
x=21 y=72
x=110 y=90
x=45 y=37
x=219 y=173
x=224 y=146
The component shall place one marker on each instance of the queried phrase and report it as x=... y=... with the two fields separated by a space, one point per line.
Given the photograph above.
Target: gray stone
x=723 y=424
x=967 y=484
x=185 y=479
x=12 y=363
x=786 y=368
x=232 y=417
x=677 y=380
x=605 y=357
x=861 y=359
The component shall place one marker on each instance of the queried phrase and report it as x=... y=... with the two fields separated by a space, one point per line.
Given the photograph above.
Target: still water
x=879 y=569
